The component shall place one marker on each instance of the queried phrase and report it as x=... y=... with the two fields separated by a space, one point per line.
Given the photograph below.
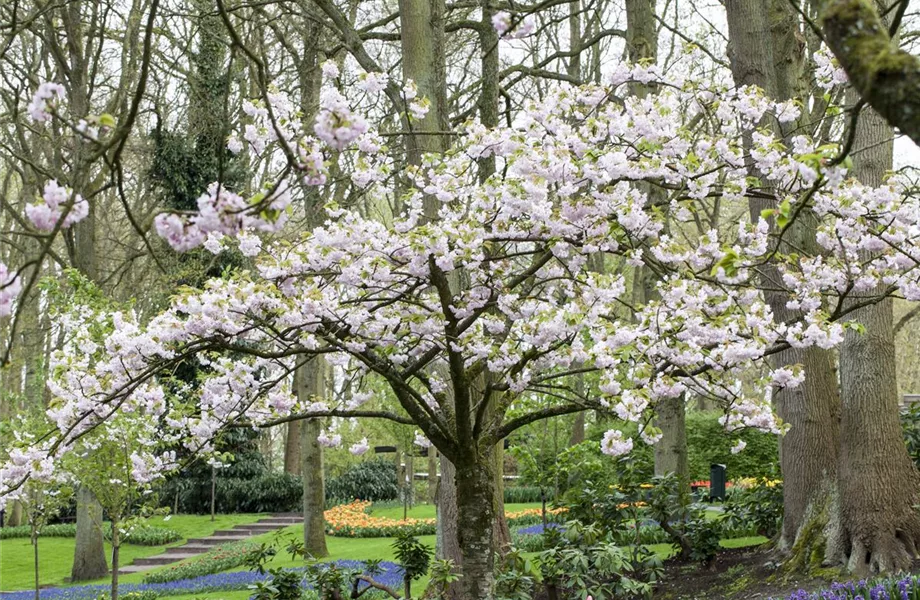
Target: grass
x=55 y=555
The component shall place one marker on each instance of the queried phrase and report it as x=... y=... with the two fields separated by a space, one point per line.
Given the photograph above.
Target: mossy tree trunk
x=878 y=483
x=758 y=48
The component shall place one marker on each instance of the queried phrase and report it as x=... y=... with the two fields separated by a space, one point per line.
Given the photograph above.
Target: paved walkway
x=198 y=546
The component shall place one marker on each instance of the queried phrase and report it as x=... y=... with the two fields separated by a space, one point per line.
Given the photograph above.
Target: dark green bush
x=754 y=511
x=373 y=480
x=708 y=442
x=269 y=492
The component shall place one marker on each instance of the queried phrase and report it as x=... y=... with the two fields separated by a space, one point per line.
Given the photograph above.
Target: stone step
x=189 y=548
x=259 y=528
x=133 y=569
x=228 y=533
x=161 y=559
x=287 y=515
x=283 y=521
x=219 y=541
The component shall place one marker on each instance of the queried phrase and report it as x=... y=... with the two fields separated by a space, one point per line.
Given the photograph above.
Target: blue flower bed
x=898 y=588
x=538 y=528
x=391 y=575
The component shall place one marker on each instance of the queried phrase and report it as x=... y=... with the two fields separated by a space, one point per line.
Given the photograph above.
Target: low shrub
x=373 y=480
x=524 y=494
x=141 y=535
x=219 y=559
x=754 y=510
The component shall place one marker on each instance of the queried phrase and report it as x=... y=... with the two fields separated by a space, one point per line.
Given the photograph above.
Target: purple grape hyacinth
x=390 y=575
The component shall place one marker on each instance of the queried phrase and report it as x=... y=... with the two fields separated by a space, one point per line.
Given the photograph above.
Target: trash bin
x=717 y=482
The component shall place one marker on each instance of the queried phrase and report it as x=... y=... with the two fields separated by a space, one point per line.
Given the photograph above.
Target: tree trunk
x=35 y=559
x=808 y=457
x=878 y=483
x=292 y=449
x=432 y=475
x=447 y=544
x=89 y=551
x=475 y=501
x=311 y=385
x=15 y=517
x=671 y=450
x=116 y=548
x=501 y=533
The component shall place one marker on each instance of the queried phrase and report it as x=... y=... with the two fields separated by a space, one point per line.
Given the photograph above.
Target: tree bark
x=89 y=551
x=292 y=448
x=885 y=76
x=311 y=385
x=475 y=501
x=116 y=548
x=808 y=456
x=878 y=483
x=671 y=450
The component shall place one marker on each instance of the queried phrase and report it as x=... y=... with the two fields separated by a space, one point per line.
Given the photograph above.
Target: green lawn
x=55 y=555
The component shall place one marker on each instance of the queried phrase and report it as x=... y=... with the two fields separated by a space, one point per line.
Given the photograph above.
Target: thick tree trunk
x=311 y=384
x=501 y=533
x=89 y=550
x=447 y=544
x=808 y=458
x=878 y=483
x=475 y=501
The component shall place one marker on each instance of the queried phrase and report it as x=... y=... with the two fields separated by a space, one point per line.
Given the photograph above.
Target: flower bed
x=391 y=575
x=895 y=588
x=353 y=520
x=219 y=559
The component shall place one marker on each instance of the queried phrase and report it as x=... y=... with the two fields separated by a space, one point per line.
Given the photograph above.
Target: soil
x=737 y=574
x=734 y=574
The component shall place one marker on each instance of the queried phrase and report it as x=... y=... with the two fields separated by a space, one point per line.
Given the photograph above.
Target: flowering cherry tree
x=474 y=302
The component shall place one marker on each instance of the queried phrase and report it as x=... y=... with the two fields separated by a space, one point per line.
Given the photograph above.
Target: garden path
x=196 y=546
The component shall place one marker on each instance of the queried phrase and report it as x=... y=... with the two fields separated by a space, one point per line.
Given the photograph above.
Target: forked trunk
x=475 y=515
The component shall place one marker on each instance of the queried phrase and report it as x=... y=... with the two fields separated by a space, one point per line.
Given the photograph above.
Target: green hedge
x=142 y=535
